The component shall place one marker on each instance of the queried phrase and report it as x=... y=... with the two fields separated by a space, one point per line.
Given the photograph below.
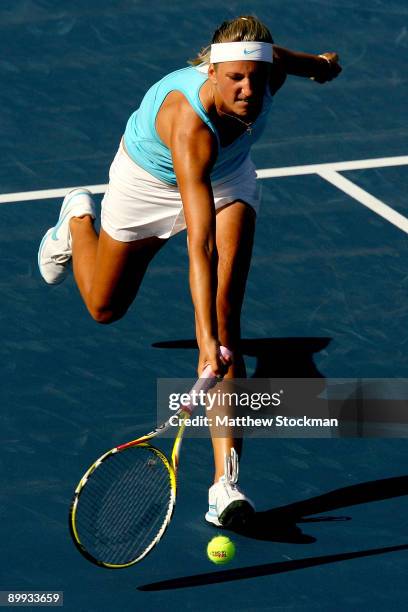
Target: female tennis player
x=184 y=162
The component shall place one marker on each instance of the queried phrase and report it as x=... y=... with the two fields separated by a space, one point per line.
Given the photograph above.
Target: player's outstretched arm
x=321 y=68
x=193 y=149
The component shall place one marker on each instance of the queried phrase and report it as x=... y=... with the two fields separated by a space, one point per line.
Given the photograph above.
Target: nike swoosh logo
x=248 y=52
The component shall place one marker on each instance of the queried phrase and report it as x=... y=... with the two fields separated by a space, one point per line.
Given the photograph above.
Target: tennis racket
x=124 y=502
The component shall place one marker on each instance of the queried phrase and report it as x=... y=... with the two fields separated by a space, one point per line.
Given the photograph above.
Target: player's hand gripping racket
x=125 y=500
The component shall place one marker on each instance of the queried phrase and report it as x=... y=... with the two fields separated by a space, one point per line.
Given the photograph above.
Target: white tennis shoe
x=228 y=505
x=55 y=250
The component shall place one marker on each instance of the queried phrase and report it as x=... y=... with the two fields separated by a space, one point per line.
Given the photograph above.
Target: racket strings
x=116 y=503
x=124 y=505
x=115 y=522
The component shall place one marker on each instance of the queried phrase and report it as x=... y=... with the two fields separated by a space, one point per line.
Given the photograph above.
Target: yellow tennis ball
x=221 y=550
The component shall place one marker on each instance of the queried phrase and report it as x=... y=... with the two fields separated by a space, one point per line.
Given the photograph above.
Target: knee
x=104 y=315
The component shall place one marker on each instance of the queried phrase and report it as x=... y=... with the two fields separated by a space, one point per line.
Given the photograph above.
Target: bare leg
x=108 y=272
x=235 y=233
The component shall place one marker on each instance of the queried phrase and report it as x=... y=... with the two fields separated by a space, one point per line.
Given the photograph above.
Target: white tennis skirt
x=137 y=205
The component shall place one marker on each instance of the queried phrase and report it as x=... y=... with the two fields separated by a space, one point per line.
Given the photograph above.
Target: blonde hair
x=243 y=28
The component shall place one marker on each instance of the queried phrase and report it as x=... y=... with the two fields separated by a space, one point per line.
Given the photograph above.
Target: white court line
x=358 y=164
x=362 y=196
x=45 y=194
x=328 y=171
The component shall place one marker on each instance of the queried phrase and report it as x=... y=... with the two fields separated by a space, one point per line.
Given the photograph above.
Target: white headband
x=233 y=51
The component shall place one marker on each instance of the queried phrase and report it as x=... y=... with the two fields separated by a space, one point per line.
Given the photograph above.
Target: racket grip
x=226 y=354
x=208 y=379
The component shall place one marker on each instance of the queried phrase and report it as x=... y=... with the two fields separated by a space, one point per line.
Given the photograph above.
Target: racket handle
x=226 y=354
x=208 y=379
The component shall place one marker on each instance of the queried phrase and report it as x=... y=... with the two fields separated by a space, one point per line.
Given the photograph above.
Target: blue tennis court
x=326 y=297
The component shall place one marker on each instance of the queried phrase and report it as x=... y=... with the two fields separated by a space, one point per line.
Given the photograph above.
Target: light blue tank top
x=146 y=148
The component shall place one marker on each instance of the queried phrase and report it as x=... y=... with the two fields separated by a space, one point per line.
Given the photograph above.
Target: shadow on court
x=275 y=357
x=266 y=569
x=280 y=525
